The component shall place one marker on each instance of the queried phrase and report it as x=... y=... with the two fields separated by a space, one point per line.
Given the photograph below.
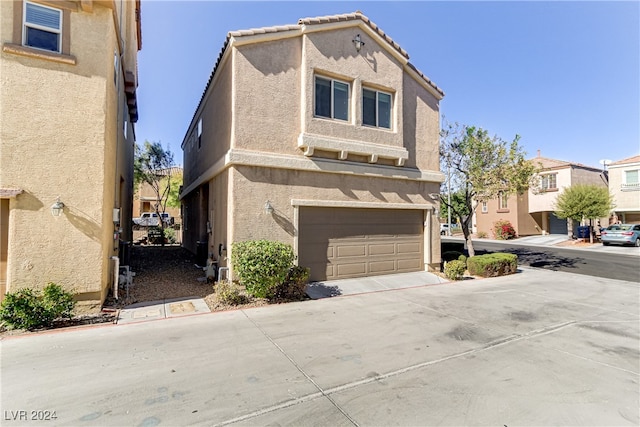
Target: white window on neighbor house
x=199 y=133
x=549 y=182
x=631 y=180
x=376 y=108
x=502 y=201
x=485 y=208
x=42 y=27
x=331 y=98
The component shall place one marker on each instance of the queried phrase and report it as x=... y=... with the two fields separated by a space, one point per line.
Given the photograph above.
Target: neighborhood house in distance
x=69 y=74
x=532 y=213
x=322 y=135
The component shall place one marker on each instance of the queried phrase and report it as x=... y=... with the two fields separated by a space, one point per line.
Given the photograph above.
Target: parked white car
x=444 y=229
x=150 y=219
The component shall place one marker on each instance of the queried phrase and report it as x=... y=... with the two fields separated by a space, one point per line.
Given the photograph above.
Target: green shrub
x=229 y=293
x=170 y=235
x=29 y=309
x=294 y=285
x=482 y=235
x=261 y=265
x=492 y=265
x=504 y=230
x=463 y=258
x=451 y=255
x=454 y=270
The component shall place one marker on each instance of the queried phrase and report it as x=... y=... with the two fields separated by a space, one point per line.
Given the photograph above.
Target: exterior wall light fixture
x=268 y=209
x=358 y=42
x=57 y=207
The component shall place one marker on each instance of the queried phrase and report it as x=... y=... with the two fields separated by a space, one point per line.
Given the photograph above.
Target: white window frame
x=626 y=176
x=545 y=181
x=485 y=207
x=332 y=101
x=377 y=112
x=503 y=203
x=25 y=25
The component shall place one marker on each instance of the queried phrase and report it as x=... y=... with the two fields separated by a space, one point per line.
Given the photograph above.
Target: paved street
x=535 y=348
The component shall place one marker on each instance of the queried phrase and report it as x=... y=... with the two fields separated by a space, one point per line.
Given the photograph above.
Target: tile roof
x=329 y=19
x=634 y=159
x=547 y=163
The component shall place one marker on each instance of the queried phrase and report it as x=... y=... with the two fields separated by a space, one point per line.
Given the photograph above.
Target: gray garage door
x=339 y=243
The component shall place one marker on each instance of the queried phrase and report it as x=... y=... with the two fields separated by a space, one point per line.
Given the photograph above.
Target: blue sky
x=563 y=75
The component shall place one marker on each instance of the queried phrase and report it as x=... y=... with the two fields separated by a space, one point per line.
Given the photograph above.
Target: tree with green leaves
x=481 y=167
x=152 y=165
x=584 y=201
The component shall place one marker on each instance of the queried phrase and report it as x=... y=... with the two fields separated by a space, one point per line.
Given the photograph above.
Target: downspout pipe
x=116 y=274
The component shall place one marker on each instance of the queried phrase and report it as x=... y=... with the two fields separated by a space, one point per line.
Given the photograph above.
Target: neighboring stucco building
x=68 y=96
x=532 y=213
x=145 y=197
x=624 y=186
x=321 y=135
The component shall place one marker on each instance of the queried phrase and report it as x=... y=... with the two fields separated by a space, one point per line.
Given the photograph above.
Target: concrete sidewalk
x=155 y=310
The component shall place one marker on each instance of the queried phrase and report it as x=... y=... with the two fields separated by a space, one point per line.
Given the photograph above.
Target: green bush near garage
x=261 y=265
x=492 y=265
x=454 y=270
x=31 y=309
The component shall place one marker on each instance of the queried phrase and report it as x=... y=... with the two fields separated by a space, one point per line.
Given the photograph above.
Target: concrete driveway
x=536 y=348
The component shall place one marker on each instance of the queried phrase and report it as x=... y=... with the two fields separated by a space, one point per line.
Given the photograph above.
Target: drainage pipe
x=116 y=274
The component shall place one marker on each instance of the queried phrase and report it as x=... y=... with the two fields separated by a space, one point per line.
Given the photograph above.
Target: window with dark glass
x=331 y=99
x=376 y=108
x=42 y=27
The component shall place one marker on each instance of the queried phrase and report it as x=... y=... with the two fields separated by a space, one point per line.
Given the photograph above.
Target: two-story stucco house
x=532 y=213
x=624 y=186
x=322 y=135
x=68 y=97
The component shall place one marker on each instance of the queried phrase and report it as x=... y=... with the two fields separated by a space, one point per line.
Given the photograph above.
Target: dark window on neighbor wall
x=376 y=108
x=331 y=99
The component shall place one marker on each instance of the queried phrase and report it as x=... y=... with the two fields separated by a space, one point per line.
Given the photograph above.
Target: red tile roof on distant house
x=355 y=16
x=634 y=159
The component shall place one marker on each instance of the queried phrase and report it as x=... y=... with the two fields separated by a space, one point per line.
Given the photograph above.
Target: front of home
x=624 y=186
x=322 y=135
x=532 y=213
x=68 y=96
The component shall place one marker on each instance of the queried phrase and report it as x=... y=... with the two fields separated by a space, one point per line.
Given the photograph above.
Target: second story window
x=42 y=27
x=549 y=182
x=376 y=108
x=199 y=133
x=631 y=180
x=331 y=99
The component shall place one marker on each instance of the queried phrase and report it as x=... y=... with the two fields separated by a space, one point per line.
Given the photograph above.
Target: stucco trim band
x=7 y=193
x=356 y=204
x=282 y=161
x=40 y=54
x=344 y=146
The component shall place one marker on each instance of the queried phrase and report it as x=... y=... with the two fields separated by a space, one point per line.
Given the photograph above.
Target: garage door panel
x=407 y=265
x=409 y=248
x=360 y=242
x=351 y=251
x=351 y=270
x=382 y=267
x=382 y=249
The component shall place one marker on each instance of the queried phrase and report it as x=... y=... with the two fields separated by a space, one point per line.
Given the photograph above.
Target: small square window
x=42 y=27
x=376 y=108
x=331 y=99
x=485 y=208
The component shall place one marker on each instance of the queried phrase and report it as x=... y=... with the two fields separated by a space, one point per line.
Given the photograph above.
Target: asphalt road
x=535 y=348
x=580 y=261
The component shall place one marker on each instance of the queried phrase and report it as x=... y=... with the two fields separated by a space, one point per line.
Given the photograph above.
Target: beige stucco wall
x=59 y=138
x=628 y=199
x=546 y=201
x=281 y=186
x=333 y=54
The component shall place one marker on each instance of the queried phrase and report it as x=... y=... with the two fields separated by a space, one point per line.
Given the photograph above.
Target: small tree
x=582 y=201
x=480 y=167
x=152 y=165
